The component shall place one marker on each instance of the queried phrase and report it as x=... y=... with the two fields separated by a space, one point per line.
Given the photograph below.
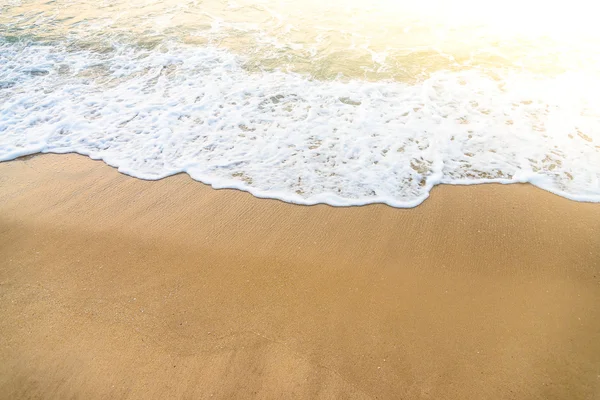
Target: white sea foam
x=154 y=113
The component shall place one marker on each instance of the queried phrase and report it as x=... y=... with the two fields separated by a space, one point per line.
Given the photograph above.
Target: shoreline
x=339 y=201
x=118 y=287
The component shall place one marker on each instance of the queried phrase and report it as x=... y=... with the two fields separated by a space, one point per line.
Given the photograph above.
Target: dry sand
x=113 y=287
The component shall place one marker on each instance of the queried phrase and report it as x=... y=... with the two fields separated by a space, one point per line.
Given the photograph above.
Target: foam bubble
x=154 y=113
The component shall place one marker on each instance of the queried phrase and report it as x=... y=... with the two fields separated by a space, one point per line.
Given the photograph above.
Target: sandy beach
x=114 y=287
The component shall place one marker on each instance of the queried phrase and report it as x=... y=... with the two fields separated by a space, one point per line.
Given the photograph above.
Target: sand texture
x=113 y=287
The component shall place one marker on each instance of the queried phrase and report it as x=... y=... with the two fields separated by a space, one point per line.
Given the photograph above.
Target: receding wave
x=200 y=110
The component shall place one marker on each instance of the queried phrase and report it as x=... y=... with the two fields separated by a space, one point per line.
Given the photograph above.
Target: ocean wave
x=197 y=109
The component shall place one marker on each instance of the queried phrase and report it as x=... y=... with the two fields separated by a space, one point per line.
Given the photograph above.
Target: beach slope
x=114 y=287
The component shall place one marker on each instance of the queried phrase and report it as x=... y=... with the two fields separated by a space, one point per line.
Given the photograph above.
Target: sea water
x=337 y=102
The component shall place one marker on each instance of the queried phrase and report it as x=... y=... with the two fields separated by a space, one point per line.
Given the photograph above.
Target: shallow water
x=342 y=102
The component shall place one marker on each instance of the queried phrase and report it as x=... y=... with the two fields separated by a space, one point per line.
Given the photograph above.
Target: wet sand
x=113 y=287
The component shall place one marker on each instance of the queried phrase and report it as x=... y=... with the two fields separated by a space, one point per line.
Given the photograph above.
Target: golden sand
x=114 y=287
